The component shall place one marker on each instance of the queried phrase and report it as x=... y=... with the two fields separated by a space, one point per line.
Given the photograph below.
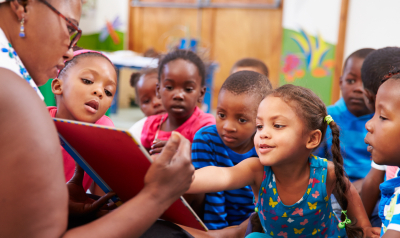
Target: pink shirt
x=69 y=162
x=198 y=120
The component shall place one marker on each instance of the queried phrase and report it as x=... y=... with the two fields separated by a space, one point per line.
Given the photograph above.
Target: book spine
x=88 y=169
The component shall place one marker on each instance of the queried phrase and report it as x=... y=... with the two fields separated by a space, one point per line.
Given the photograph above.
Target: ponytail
x=342 y=184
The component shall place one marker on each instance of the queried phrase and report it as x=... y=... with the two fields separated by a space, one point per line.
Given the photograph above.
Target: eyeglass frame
x=76 y=28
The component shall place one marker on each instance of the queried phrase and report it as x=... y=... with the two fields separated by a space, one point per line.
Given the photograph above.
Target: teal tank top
x=311 y=216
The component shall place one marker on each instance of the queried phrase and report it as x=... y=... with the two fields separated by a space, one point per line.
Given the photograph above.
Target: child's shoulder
x=155 y=120
x=105 y=121
x=204 y=118
x=337 y=108
x=208 y=132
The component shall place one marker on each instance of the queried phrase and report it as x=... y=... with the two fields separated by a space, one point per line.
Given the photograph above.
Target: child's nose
x=358 y=87
x=368 y=125
x=178 y=95
x=228 y=126
x=98 y=92
x=264 y=134
x=156 y=102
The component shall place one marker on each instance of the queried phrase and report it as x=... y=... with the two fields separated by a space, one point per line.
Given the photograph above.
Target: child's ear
x=158 y=91
x=314 y=139
x=202 y=93
x=56 y=86
x=369 y=99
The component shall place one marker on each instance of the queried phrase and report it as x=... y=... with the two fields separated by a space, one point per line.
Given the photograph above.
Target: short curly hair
x=185 y=55
x=248 y=82
x=252 y=62
x=378 y=65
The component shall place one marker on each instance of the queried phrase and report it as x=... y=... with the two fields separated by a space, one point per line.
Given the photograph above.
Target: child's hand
x=372 y=232
x=79 y=203
x=157 y=146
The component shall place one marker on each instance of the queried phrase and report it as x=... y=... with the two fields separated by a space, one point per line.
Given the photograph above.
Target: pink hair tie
x=79 y=52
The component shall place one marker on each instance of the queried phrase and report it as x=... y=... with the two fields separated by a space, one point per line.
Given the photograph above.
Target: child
x=145 y=84
x=350 y=114
x=181 y=86
x=251 y=64
x=292 y=187
x=383 y=144
x=376 y=66
x=84 y=90
x=228 y=143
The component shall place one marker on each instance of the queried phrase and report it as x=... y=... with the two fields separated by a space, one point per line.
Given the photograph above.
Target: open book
x=116 y=162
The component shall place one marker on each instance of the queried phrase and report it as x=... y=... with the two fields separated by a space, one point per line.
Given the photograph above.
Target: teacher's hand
x=172 y=173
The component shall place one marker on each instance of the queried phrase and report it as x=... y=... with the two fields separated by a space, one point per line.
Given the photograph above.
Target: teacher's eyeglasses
x=74 y=31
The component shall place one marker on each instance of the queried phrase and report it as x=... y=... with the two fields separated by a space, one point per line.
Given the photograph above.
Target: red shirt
x=69 y=162
x=198 y=120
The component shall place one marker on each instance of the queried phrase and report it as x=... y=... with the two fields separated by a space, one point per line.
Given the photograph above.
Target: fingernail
x=174 y=137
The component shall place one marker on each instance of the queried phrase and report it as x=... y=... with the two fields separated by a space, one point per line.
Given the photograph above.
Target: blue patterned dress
x=311 y=216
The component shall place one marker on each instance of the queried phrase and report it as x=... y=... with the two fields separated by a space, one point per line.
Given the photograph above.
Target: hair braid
x=342 y=185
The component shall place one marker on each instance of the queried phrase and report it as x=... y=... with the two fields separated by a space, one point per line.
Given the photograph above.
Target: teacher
x=35 y=39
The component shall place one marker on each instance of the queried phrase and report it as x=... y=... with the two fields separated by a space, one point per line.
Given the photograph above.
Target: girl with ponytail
x=292 y=187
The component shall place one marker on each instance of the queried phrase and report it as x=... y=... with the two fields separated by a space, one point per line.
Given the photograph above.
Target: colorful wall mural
x=308 y=49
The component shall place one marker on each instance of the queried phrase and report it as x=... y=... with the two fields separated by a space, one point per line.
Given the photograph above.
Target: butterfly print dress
x=311 y=216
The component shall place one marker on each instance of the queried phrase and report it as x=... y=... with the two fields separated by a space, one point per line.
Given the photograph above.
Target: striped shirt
x=356 y=158
x=389 y=206
x=225 y=208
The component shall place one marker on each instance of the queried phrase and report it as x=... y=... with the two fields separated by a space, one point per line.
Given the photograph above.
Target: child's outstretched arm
x=355 y=208
x=215 y=179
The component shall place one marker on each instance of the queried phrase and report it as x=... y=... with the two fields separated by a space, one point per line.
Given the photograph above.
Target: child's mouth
x=370 y=147
x=178 y=108
x=264 y=148
x=92 y=106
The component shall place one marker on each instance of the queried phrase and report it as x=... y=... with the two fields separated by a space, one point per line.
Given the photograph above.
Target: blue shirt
x=389 y=206
x=311 y=216
x=225 y=208
x=356 y=158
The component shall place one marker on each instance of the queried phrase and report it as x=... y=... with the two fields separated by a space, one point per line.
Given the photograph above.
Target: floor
x=126 y=117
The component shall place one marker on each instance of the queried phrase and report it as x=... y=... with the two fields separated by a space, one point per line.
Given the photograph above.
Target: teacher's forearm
x=135 y=217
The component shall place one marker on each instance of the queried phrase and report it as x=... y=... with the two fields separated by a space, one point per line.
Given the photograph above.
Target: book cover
x=116 y=162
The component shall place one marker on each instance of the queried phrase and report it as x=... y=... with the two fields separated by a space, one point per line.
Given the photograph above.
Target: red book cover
x=116 y=162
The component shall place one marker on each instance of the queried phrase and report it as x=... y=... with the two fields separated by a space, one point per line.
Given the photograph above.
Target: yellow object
x=312 y=206
x=272 y=203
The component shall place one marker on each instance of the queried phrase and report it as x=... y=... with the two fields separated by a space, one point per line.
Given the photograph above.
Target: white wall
x=372 y=23
x=103 y=10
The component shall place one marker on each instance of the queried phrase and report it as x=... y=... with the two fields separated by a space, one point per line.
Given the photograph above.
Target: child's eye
x=241 y=120
x=259 y=127
x=86 y=81
x=382 y=118
x=350 y=81
x=279 y=126
x=189 y=90
x=108 y=93
x=221 y=115
x=146 y=101
x=169 y=87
